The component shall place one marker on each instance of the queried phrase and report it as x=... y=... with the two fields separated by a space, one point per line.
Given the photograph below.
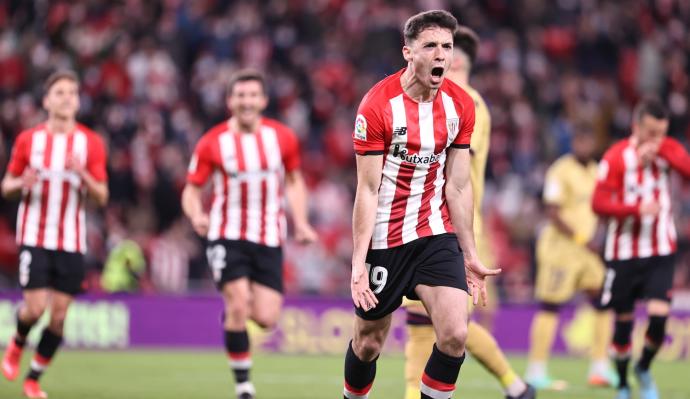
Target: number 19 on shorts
x=377 y=277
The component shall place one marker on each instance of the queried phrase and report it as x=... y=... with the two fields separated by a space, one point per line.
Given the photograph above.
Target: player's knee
x=367 y=347
x=236 y=312
x=33 y=311
x=265 y=319
x=452 y=340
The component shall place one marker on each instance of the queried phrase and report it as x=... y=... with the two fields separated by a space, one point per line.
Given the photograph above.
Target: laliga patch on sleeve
x=603 y=170
x=360 y=127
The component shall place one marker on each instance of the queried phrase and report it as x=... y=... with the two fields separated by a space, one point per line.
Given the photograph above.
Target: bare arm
x=12 y=185
x=461 y=207
x=296 y=193
x=98 y=190
x=369 y=168
x=194 y=209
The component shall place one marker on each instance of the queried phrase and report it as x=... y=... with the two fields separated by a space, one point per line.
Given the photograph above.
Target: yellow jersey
x=569 y=185
x=479 y=145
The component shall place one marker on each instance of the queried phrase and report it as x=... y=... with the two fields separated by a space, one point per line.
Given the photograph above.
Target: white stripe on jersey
x=391 y=167
x=252 y=167
x=451 y=113
x=665 y=225
x=630 y=196
x=216 y=214
x=30 y=230
x=609 y=252
x=70 y=223
x=228 y=153
x=414 y=201
x=644 y=244
x=52 y=218
x=273 y=204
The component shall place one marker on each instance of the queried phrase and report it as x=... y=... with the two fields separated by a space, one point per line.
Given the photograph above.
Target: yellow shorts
x=564 y=268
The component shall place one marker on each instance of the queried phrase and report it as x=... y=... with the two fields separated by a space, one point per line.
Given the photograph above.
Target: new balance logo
x=400 y=131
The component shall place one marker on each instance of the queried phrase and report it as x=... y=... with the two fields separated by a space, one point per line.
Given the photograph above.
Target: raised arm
x=676 y=155
x=607 y=200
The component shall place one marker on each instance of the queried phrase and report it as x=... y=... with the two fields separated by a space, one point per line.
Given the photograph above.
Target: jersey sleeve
x=606 y=200
x=96 y=158
x=464 y=137
x=369 y=132
x=19 y=159
x=201 y=163
x=554 y=186
x=676 y=155
x=289 y=150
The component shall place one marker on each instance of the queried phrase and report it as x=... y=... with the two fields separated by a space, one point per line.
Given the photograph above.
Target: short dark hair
x=651 y=106
x=468 y=41
x=246 y=75
x=428 y=19
x=57 y=76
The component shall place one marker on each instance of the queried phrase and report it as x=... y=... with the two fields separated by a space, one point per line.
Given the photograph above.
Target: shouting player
x=254 y=162
x=633 y=193
x=413 y=209
x=53 y=168
x=568 y=262
x=420 y=331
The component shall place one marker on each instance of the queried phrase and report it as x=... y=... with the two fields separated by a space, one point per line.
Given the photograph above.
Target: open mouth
x=437 y=72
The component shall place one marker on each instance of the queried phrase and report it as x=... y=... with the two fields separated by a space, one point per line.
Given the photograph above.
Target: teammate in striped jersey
x=53 y=168
x=414 y=209
x=633 y=195
x=420 y=331
x=254 y=163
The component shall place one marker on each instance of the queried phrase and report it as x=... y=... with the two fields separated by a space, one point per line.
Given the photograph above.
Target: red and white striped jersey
x=623 y=184
x=413 y=137
x=248 y=172
x=51 y=214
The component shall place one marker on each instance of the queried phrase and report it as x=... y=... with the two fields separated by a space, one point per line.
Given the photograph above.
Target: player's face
x=584 y=146
x=431 y=55
x=62 y=99
x=650 y=129
x=247 y=101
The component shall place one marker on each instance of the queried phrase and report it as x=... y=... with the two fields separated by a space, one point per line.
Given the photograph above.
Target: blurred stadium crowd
x=153 y=80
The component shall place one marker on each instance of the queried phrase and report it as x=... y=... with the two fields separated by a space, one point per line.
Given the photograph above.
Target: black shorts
x=44 y=268
x=233 y=259
x=395 y=272
x=630 y=280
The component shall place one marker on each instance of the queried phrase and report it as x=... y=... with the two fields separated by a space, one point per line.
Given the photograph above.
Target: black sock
x=359 y=375
x=621 y=349
x=656 y=333
x=23 y=330
x=47 y=346
x=237 y=347
x=440 y=374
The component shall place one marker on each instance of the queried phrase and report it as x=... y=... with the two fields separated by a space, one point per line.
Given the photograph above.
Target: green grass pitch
x=204 y=374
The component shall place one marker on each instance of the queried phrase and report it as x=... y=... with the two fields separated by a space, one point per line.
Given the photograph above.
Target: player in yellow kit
x=479 y=343
x=568 y=262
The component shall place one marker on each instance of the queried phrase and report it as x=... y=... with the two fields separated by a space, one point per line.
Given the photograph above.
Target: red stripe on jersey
x=637 y=223
x=655 y=237
x=223 y=203
x=241 y=167
x=423 y=227
x=65 y=196
x=264 y=185
x=45 y=190
x=405 y=174
x=24 y=217
x=77 y=223
x=436 y=384
x=440 y=139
